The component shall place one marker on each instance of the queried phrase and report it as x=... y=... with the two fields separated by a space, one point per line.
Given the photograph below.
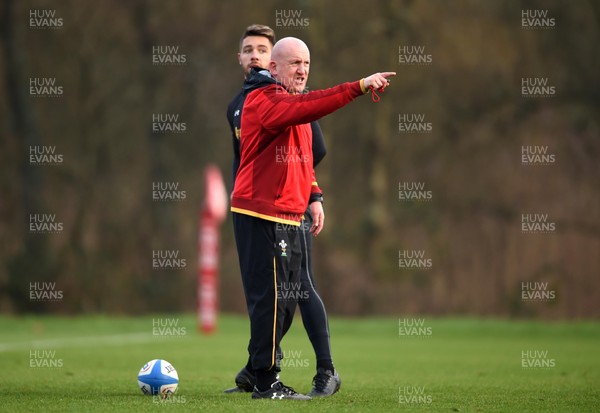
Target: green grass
x=465 y=365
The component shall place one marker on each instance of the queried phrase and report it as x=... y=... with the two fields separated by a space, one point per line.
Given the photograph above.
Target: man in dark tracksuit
x=273 y=186
x=314 y=317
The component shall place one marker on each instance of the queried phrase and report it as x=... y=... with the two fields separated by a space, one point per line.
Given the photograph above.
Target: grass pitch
x=90 y=364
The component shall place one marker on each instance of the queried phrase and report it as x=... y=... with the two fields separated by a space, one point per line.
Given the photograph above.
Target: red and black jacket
x=234 y=116
x=276 y=177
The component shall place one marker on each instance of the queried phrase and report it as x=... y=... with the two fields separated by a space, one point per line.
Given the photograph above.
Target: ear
x=239 y=60
x=273 y=67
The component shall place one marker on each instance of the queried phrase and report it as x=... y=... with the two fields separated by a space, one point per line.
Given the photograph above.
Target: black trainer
x=244 y=382
x=325 y=383
x=279 y=391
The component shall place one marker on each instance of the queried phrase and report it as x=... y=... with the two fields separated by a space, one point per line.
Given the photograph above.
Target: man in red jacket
x=273 y=185
x=256 y=44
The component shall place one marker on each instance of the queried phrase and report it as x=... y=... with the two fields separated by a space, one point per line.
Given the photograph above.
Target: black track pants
x=270 y=258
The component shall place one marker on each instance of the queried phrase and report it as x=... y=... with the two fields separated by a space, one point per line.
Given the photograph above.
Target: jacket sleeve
x=315 y=192
x=280 y=110
x=235 y=165
x=235 y=141
x=319 y=149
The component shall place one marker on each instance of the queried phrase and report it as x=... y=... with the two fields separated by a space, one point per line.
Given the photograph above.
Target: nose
x=302 y=69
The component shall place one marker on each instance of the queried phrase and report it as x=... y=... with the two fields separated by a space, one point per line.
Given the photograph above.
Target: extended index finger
x=388 y=74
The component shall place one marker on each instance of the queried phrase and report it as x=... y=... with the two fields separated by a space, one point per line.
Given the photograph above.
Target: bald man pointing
x=273 y=186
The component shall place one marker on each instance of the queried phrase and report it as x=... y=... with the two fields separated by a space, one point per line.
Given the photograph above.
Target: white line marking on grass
x=114 y=339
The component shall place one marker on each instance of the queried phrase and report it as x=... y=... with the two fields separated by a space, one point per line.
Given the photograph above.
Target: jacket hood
x=256 y=79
